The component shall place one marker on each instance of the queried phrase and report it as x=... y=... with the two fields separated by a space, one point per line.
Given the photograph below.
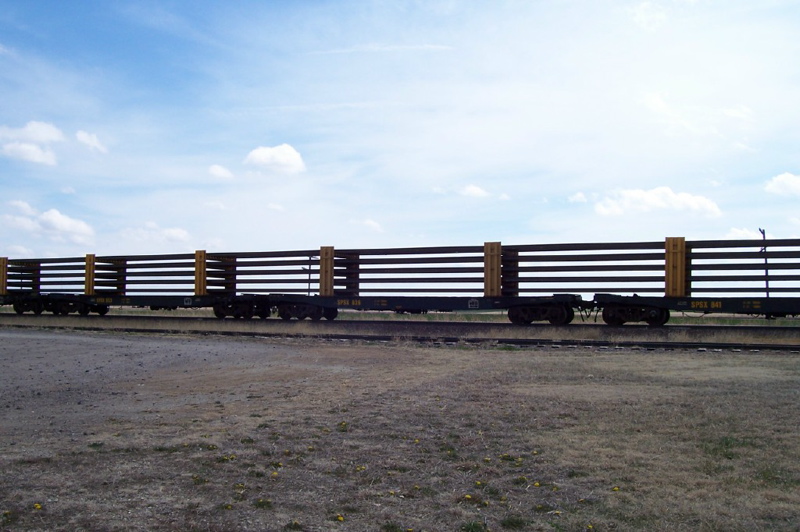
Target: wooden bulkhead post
x=326 y=254
x=88 y=278
x=676 y=280
x=3 y=276
x=492 y=269
x=200 y=273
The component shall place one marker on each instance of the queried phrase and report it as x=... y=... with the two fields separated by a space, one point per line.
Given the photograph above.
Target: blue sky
x=133 y=127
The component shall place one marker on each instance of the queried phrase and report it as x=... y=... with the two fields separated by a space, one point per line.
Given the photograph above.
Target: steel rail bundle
x=626 y=282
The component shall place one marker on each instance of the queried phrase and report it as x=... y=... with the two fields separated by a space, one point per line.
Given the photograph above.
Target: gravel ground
x=103 y=431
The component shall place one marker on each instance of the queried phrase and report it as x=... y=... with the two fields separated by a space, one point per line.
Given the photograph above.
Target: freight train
x=622 y=282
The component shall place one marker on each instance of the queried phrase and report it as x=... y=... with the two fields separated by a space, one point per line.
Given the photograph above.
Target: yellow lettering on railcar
x=103 y=301
x=706 y=305
x=348 y=302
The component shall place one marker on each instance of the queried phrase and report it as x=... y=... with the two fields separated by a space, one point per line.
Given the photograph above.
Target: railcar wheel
x=656 y=317
x=611 y=316
x=285 y=312
x=84 y=309
x=330 y=313
x=102 y=310
x=520 y=315
x=560 y=315
x=315 y=312
x=18 y=308
x=220 y=311
x=243 y=311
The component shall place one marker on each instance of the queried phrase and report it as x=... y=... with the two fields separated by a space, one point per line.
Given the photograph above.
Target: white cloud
x=23 y=207
x=678 y=119
x=742 y=112
x=785 y=184
x=660 y=198
x=216 y=205
x=220 y=172
x=20 y=252
x=649 y=15
x=51 y=224
x=29 y=143
x=36 y=132
x=382 y=48
x=21 y=223
x=474 y=191
x=371 y=224
x=578 y=197
x=61 y=227
x=91 y=140
x=281 y=159
x=152 y=233
x=29 y=152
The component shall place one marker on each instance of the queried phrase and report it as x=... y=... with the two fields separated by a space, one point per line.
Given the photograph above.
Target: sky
x=144 y=127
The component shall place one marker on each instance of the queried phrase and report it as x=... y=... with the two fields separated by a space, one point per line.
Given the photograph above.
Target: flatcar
x=622 y=282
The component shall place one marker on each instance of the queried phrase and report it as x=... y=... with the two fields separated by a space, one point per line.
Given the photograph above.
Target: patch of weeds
x=449 y=451
x=477 y=500
x=772 y=476
x=514 y=522
x=198 y=480
x=515 y=460
x=247 y=441
x=724 y=447
x=96 y=445
x=226 y=506
x=293 y=525
x=342 y=426
x=576 y=473
x=37 y=460
x=543 y=508
x=166 y=449
x=9 y=518
x=427 y=491
x=262 y=504
x=520 y=481
x=473 y=526
x=391 y=527
x=712 y=468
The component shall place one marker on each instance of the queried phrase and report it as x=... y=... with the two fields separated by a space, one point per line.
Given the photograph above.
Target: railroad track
x=742 y=337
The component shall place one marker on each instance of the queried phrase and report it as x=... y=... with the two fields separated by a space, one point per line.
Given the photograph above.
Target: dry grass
x=143 y=433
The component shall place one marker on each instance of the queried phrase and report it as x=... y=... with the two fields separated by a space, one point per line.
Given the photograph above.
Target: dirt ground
x=143 y=432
